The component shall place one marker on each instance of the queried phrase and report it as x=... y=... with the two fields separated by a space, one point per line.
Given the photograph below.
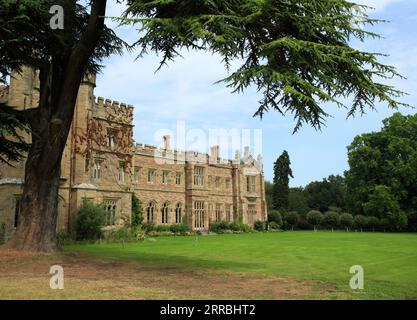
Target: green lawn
x=389 y=260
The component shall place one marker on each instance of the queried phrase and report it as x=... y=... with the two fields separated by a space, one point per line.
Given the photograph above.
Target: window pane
x=198 y=176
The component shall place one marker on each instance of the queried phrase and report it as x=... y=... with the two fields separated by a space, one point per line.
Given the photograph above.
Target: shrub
x=128 y=234
x=315 y=218
x=64 y=238
x=259 y=225
x=222 y=226
x=120 y=234
x=303 y=224
x=273 y=225
x=137 y=211
x=291 y=219
x=335 y=209
x=181 y=228
x=239 y=227
x=154 y=234
x=148 y=227
x=90 y=218
x=140 y=235
x=360 y=222
x=162 y=228
x=275 y=216
x=398 y=220
x=384 y=224
x=346 y=220
x=331 y=219
x=373 y=223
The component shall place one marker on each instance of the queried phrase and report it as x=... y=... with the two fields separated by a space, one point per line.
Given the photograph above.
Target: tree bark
x=50 y=124
x=36 y=230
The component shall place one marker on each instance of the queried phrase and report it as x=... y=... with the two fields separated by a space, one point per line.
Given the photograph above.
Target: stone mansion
x=102 y=163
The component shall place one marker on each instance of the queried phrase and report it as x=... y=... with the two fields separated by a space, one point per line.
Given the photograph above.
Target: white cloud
x=186 y=86
x=185 y=90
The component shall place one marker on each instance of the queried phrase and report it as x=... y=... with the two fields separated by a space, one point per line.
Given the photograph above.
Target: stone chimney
x=237 y=156
x=167 y=142
x=246 y=152
x=215 y=153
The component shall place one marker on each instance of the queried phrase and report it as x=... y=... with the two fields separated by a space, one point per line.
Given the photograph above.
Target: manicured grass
x=389 y=260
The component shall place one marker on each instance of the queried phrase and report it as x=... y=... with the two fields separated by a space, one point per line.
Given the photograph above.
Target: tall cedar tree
x=282 y=175
x=296 y=53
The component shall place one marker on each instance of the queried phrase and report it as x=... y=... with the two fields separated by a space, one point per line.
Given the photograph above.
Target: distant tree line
x=377 y=193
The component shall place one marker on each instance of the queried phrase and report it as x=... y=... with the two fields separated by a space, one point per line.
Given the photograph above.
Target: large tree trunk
x=38 y=217
x=50 y=124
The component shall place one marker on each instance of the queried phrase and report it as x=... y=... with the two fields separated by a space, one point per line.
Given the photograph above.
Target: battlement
x=196 y=157
x=175 y=155
x=113 y=110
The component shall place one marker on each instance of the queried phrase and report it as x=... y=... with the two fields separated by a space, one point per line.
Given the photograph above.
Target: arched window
x=178 y=213
x=150 y=212
x=97 y=169
x=110 y=206
x=165 y=209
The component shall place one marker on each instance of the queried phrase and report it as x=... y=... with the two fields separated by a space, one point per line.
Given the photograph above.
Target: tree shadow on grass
x=172 y=261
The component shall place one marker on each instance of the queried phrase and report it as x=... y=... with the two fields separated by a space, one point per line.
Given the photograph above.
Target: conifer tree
x=282 y=175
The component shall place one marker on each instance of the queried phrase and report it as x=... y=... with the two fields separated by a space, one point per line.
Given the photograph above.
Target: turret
x=86 y=91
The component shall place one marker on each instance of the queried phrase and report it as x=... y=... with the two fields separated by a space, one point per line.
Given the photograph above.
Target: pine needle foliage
x=297 y=53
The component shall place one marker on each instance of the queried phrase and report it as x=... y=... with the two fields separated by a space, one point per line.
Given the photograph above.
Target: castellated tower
x=98 y=155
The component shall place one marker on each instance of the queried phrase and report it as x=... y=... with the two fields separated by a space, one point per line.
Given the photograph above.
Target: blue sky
x=185 y=91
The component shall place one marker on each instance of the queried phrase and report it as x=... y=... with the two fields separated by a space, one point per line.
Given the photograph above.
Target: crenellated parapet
x=145 y=149
x=113 y=110
x=195 y=157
